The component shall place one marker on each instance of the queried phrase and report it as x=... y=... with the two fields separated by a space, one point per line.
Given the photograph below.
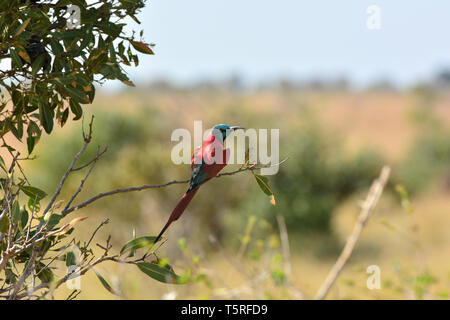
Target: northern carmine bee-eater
x=206 y=163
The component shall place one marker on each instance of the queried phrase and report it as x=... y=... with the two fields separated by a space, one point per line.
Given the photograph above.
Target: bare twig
x=154 y=186
x=87 y=139
x=92 y=163
x=106 y=221
x=124 y=190
x=367 y=207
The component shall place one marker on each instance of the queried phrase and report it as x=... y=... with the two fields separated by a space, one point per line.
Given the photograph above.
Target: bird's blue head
x=225 y=130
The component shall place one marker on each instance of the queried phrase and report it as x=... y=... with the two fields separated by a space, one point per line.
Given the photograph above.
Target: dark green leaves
x=17 y=62
x=53 y=219
x=46 y=117
x=44 y=274
x=159 y=273
x=263 y=183
x=55 y=68
x=76 y=109
x=37 y=64
x=33 y=192
x=22 y=27
x=105 y=283
x=23 y=218
x=133 y=245
x=70 y=259
x=19 y=216
x=4 y=224
x=57 y=48
x=2 y=164
x=34 y=133
x=30 y=144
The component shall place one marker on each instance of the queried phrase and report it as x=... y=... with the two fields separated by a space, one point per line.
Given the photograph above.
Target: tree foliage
x=56 y=59
x=59 y=50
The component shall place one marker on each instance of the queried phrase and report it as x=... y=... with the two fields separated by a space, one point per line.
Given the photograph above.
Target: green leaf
x=15 y=212
x=70 y=259
x=44 y=273
x=161 y=274
x=29 y=109
x=23 y=220
x=263 y=183
x=18 y=101
x=4 y=224
x=22 y=27
x=105 y=283
x=15 y=58
x=137 y=243
x=2 y=164
x=54 y=219
x=30 y=144
x=63 y=118
x=46 y=118
x=10 y=276
x=37 y=64
x=57 y=48
x=20 y=127
x=33 y=192
x=13 y=129
x=33 y=206
x=77 y=95
x=76 y=109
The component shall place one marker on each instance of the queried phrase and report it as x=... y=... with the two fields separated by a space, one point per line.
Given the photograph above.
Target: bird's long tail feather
x=178 y=211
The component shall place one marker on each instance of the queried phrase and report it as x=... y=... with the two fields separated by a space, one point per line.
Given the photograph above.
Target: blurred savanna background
x=337 y=141
x=347 y=100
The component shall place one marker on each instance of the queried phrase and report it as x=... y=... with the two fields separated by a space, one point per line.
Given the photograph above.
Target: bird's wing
x=197 y=166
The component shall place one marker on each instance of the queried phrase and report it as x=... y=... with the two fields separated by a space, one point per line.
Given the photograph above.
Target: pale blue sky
x=266 y=39
x=263 y=40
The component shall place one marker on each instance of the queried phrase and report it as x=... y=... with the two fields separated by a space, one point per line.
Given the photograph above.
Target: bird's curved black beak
x=237 y=128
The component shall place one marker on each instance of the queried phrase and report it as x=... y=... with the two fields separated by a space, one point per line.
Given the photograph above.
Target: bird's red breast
x=205 y=157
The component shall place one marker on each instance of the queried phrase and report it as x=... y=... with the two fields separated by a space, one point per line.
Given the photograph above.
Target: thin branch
x=144 y=187
x=92 y=163
x=106 y=221
x=87 y=139
x=124 y=190
x=367 y=207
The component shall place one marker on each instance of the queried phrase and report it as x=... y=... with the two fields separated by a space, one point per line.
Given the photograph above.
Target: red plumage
x=203 y=168
x=178 y=211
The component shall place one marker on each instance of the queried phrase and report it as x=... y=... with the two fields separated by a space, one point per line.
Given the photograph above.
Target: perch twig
x=366 y=209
